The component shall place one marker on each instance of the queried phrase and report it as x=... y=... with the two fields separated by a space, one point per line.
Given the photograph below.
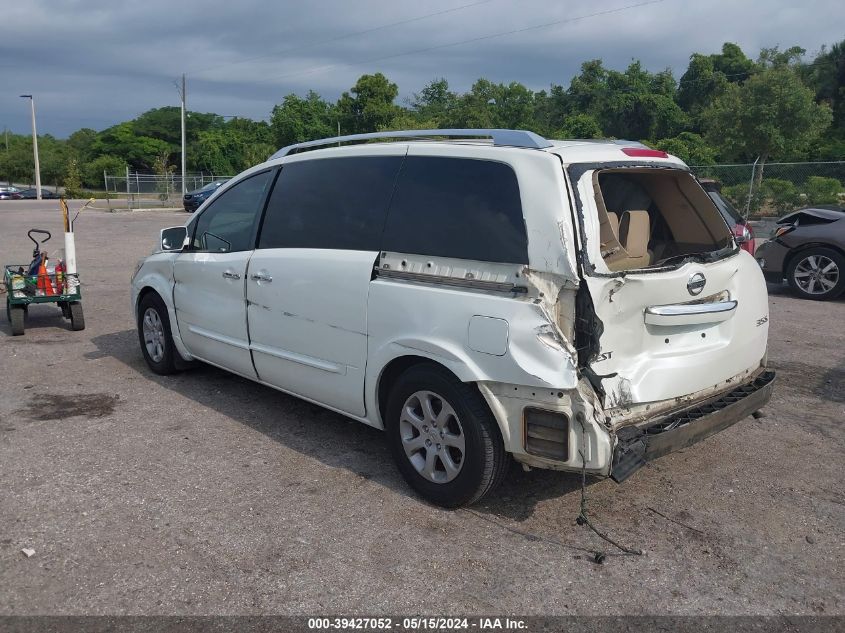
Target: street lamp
x=182 y=95
x=35 y=147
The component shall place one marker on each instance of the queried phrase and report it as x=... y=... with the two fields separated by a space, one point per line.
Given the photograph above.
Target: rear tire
x=443 y=437
x=817 y=273
x=155 y=335
x=16 y=319
x=77 y=318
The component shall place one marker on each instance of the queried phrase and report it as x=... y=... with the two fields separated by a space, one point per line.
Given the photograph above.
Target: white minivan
x=480 y=295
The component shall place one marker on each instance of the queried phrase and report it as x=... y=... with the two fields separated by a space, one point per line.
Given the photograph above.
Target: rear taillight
x=644 y=152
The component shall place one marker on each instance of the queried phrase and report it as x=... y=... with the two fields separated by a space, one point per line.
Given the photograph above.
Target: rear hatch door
x=671 y=330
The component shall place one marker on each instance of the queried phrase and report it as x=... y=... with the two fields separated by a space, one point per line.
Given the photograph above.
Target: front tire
x=817 y=273
x=443 y=437
x=155 y=336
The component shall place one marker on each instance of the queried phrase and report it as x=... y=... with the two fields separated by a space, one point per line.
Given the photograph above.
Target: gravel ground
x=206 y=494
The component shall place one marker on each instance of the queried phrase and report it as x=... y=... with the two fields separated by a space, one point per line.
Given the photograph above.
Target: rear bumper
x=638 y=444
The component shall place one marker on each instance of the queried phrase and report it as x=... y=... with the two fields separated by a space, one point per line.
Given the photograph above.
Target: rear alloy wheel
x=432 y=437
x=817 y=273
x=445 y=441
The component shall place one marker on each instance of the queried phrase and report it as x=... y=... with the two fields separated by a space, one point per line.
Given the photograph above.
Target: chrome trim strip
x=686 y=309
x=690 y=313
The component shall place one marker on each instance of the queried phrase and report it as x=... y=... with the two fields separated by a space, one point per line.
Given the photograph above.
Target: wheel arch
x=149 y=286
x=390 y=374
x=143 y=293
x=795 y=252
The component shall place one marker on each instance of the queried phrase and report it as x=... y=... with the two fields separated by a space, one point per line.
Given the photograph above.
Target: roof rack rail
x=615 y=141
x=504 y=138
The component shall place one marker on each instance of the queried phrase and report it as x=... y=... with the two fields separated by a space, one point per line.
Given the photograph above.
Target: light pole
x=182 y=95
x=35 y=147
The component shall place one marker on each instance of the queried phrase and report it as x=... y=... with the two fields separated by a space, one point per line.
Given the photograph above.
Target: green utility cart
x=36 y=283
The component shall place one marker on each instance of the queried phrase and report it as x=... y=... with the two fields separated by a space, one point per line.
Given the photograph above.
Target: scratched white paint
x=325 y=328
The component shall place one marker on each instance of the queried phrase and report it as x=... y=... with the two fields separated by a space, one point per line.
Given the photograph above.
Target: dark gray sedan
x=32 y=194
x=808 y=250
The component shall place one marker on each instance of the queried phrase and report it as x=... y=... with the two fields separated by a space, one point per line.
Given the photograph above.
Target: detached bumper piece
x=638 y=444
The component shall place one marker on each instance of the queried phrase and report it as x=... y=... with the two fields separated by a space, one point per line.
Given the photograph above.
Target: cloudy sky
x=93 y=63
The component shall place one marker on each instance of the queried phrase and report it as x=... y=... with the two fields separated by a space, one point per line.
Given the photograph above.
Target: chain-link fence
x=778 y=188
x=144 y=190
x=768 y=191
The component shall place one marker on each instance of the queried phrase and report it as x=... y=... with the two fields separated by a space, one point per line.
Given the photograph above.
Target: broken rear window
x=649 y=217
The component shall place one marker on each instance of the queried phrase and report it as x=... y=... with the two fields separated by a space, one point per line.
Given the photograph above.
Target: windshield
x=212 y=185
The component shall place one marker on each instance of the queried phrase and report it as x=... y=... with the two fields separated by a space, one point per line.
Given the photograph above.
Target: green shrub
x=112 y=165
x=738 y=195
x=821 y=190
x=580 y=126
x=689 y=147
x=73 y=179
x=782 y=194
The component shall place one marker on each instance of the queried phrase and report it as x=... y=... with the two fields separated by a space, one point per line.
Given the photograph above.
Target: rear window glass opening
x=649 y=217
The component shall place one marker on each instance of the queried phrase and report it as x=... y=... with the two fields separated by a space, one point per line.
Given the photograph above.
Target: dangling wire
x=583 y=519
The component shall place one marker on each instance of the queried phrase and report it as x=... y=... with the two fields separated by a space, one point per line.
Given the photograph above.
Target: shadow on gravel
x=38 y=317
x=329 y=437
x=820 y=382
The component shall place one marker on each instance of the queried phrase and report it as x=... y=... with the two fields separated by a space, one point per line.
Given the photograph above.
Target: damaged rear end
x=672 y=317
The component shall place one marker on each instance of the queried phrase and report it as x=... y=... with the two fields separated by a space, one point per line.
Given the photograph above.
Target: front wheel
x=817 y=273
x=445 y=441
x=154 y=335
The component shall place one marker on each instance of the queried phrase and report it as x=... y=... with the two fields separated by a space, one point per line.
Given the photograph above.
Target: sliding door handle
x=261 y=275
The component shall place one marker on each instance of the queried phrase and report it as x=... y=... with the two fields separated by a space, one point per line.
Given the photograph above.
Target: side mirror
x=173 y=238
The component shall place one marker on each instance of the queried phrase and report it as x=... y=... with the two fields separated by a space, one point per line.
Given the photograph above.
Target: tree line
x=726 y=107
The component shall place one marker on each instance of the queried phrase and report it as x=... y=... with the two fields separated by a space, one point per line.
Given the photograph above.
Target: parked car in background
x=193 y=199
x=10 y=193
x=743 y=233
x=808 y=250
x=456 y=294
x=32 y=194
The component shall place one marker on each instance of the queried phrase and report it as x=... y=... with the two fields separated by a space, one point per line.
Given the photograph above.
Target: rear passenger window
x=336 y=203
x=457 y=207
